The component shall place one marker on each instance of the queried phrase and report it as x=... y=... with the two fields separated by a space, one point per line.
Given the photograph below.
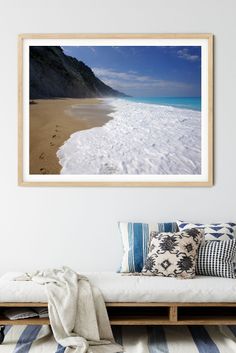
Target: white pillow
x=214 y=231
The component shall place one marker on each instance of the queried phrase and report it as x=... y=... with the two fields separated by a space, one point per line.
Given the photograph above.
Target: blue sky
x=145 y=71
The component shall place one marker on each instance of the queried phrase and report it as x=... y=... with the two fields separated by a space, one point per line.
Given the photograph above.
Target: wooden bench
x=147 y=314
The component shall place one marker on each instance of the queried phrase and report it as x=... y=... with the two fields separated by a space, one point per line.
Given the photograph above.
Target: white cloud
x=93 y=50
x=185 y=54
x=131 y=80
x=66 y=50
x=132 y=72
x=109 y=73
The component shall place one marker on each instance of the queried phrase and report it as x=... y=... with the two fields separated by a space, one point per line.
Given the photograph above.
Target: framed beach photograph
x=115 y=109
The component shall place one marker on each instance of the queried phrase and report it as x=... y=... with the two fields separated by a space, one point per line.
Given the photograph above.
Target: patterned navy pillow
x=215 y=258
x=135 y=238
x=214 y=231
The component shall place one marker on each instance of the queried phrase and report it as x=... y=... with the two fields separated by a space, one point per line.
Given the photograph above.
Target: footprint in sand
x=44 y=171
x=57 y=126
x=42 y=155
x=53 y=136
x=52 y=144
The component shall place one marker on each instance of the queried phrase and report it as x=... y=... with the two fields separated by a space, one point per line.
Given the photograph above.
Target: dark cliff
x=54 y=74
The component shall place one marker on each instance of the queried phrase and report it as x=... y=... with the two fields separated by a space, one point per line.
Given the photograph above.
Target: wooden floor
x=147 y=314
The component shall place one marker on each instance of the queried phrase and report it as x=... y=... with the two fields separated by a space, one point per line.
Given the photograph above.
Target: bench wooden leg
x=173 y=313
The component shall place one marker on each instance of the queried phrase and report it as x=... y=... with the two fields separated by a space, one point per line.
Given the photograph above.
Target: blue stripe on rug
x=3 y=332
x=232 y=329
x=26 y=339
x=7 y=329
x=157 y=340
x=202 y=340
x=60 y=349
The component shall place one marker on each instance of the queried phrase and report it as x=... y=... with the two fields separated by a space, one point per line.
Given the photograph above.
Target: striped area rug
x=177 y=339
x=154 y=339
x=29 y=339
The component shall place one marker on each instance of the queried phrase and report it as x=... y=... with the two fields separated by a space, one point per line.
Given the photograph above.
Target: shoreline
x=53 y=121
x=162 y=104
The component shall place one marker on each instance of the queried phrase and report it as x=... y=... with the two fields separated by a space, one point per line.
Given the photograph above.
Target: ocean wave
x=139 y=139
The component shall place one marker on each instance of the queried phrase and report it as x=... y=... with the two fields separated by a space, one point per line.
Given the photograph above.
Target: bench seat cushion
x=123 y=288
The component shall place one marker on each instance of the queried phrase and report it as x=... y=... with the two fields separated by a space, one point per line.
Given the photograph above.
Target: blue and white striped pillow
x=135 y=238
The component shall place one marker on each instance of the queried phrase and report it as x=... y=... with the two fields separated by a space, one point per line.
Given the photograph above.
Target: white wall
x=42 y=227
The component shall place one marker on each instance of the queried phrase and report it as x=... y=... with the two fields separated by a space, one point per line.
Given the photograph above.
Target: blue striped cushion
x=135 y=238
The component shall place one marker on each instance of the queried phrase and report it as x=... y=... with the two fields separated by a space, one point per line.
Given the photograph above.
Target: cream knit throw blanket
x=77 y=311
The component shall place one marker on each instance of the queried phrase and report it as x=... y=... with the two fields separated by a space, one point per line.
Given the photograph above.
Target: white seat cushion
x=122 y=288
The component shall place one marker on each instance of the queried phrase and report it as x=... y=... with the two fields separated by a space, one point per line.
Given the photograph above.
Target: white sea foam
x=140 y=139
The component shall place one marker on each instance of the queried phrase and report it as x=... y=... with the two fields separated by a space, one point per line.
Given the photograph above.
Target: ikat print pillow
x=135 y=238
x=214 y=231
x=173 y=254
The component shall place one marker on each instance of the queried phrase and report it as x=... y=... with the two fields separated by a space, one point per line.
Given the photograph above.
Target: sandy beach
x=52 y=121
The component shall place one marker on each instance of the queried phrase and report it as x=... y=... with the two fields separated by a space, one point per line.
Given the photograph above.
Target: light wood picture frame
x=115 y=110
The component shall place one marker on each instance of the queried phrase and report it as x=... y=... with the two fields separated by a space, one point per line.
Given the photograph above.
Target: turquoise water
x=193 y=103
